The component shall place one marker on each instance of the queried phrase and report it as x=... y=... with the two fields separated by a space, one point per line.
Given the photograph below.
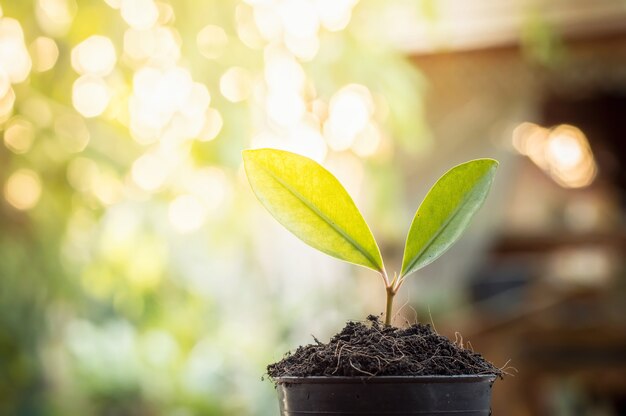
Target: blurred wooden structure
x=551 y=296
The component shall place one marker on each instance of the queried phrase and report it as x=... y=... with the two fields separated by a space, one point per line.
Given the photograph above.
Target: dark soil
x=372 y=349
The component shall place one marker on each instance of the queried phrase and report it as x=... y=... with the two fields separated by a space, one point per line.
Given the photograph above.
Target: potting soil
x=373 y=349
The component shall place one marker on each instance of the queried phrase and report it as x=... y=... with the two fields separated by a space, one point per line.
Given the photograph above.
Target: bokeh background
x=139 y=276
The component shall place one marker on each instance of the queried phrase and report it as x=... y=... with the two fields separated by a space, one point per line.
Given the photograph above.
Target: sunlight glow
x=212 y=125
x=139 y=14
x=529 y=139
x=306 y=139
x=209 y=185
x=90 y=95
x=186 y=213
x=114 y=4
x=521 y=133
x=121 y=177
x=304 y=48
x=562 y=152
x=95 y=56
x=282 y=72
x=5 y=83
x=368 y=141
x=6 y=104
x=349 y=169
x=196 y=102
x=166 y=13
x=247 y=30
x=212 y=41
x=167 y=44
x=303 y=138
x=55 y=16
x=107 y=187
x=159 y=46
x=23 y=189
x=284 y=109
x=148 y=172
x=335 y=14
x=349 y=111
x=45 y=53
x=167 y=103
x=564 y=149
x=139 y=44
x=259 y=2
x=235 y=84
x=19 y=135
x=14 y=58
x=296 y=23
x=299 y=18
x=267 y=19
x=572 y=162
x=289 y=100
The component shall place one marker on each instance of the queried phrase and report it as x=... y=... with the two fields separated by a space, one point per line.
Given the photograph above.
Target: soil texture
x=372 y=349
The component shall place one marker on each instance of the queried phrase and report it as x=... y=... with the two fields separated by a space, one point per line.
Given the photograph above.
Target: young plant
x=311 y=203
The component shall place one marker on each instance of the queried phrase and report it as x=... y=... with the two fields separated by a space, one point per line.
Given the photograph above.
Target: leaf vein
x=327 y=220
x=440 y=231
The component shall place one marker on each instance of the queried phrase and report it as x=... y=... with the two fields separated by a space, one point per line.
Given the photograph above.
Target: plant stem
x=388 y=313
x=383 y=273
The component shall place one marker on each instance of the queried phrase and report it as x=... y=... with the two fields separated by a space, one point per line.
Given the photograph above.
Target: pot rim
x=463 y=378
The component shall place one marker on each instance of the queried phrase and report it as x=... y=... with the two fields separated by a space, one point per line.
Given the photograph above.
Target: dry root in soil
x=376 y=350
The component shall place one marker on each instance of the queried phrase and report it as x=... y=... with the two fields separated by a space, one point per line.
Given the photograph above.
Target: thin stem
x=383 y=273
x=393 y=281
x=398 y=282
x=388 y=312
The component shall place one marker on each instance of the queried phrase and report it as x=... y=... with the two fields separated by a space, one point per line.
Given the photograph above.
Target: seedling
x=311 y=203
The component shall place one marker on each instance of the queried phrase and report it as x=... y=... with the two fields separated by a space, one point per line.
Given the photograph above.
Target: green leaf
x=311 y=203
x=446 y=212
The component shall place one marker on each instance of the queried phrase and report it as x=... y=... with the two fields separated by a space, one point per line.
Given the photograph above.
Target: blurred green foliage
x=154 y=286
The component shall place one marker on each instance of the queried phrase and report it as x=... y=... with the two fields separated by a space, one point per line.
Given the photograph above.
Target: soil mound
x=372 y=349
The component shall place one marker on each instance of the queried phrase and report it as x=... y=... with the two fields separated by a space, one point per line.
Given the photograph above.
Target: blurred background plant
x=137 y=274
x=135 y=277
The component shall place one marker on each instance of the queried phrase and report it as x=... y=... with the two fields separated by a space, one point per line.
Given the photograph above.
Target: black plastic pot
x=420 y=395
